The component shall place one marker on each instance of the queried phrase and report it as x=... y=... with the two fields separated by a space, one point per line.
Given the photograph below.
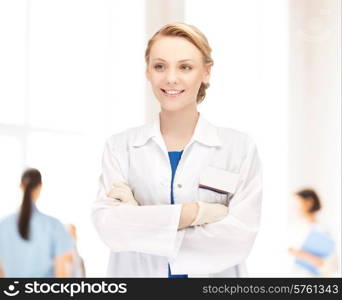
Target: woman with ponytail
x=33 y=244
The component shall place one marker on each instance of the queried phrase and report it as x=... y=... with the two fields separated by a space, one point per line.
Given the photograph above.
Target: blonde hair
x=194 y=36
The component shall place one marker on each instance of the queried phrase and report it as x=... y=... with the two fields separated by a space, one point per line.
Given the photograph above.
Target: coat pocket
x=217 y=185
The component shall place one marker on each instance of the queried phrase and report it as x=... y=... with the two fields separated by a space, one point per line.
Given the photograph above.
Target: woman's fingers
x=114 y=193
x=122 y=192
x=118 y=193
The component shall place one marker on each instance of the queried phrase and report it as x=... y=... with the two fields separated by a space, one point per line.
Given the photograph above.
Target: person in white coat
x=179 y=197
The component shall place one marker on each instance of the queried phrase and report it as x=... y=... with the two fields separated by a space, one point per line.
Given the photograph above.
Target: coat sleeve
x=150 y=229
x=215 y=247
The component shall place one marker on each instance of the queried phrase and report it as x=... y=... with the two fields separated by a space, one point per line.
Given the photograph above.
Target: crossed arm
x=193 y=213
x=154 y=229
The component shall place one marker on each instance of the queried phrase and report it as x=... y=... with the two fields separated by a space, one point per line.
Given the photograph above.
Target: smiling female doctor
x=179 y=197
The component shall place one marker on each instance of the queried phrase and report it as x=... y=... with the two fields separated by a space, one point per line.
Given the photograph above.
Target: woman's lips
x=179 y=92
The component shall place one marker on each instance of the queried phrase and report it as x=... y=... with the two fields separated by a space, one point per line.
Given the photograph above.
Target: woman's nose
x=171 y=76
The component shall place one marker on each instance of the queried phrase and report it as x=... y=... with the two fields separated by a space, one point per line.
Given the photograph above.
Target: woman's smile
x=172 y=93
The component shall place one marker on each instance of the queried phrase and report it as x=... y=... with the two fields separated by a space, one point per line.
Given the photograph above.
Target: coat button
x=179 y=185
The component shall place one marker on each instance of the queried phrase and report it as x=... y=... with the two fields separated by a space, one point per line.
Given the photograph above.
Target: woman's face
x=176 y=71
x=303 y=206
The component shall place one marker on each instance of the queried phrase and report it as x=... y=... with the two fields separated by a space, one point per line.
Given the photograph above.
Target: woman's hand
x=209 y=213
x=122 y=192
x=200 y=213
x=188 y=214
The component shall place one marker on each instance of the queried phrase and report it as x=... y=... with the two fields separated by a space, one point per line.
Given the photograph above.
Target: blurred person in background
x=76 y=263
x=312 y=245
x=33 y=244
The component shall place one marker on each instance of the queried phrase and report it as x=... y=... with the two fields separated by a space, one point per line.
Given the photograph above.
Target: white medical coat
x=144 y=239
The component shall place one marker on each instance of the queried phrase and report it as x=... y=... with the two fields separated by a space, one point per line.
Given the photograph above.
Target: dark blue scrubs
x=175 y=157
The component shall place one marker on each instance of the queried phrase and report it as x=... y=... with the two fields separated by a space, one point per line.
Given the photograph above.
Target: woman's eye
x=186 y=67
x=158 y=67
